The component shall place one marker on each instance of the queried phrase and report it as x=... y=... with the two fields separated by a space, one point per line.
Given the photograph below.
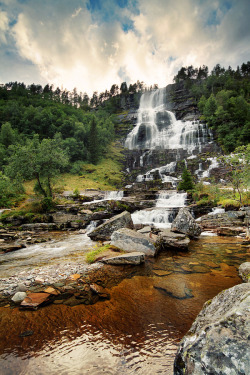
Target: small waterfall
x=214 y=164
x=167 y=205
x=163 y=174
x=114 y=195
x=92 y=225
x=158 y=128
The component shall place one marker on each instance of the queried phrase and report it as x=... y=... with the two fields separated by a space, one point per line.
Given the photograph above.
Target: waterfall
x=113 y=195
x=162 y=172
x=158 y=128
x=163 y=214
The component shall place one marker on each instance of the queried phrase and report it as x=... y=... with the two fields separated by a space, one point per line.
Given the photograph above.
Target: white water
x=163 y=174
x=167 y=205
x=214 y=164
x=113 y=195
x=158 y=128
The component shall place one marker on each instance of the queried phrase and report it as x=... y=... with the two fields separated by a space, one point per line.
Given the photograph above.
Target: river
x=137 y=331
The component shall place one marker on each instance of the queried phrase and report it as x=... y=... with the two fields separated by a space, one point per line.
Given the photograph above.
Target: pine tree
x=186 y=181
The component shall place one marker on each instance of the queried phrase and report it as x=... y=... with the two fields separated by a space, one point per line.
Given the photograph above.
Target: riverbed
x=137 y=331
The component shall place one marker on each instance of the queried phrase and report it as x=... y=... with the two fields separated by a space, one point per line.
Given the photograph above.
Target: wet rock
x=185 y=223
x=227 y=219
x=217 y=342
x=21 y=288
x=35 y=300
x=99 y=290
x=144 y=230
x=230 y=231
x=131 y=241
x=7 y=248
x=173 y=287
x=168 y=239
x=51 y=290
x=244 y=272
x=19 y=297
x=105 y=230
x=133 y=258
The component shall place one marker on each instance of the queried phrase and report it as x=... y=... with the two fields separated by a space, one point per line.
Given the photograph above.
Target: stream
x=137 y=331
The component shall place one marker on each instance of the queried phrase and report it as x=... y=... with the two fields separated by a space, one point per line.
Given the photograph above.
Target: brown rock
x=34 y=300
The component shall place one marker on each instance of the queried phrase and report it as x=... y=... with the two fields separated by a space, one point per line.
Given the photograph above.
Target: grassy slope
x=106 y=175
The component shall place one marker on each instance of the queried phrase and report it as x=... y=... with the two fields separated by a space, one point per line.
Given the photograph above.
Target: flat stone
x=168 y=239
x=230 y=231
x=134 y=258
x=34 y=300
x=39 y=280
x=74 y=277
x=173 y=287
x=146 y=229
x=130 y=241
x=51 y=290
x=98 y=289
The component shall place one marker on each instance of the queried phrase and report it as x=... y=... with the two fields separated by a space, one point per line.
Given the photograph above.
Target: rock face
x=244 y=272
x=167 y=239
x=134 y=258
x=226 y=219
x=131 y=241
x=217 y=342
x=104 y=231
x=185 y=223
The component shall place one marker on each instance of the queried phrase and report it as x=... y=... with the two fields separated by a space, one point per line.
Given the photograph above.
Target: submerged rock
x=185 y=223
x=134 y=258
x=244 y=272
x=131 y=241
x=218 y=341
x=104 y=231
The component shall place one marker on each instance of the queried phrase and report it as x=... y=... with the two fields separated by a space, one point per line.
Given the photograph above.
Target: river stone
x=244 y=272
x=185 y=223
x=218 y=341
x=230 y=231
x=168 y=239
x=104 y=231
x=131 y=258
x=19 y=297
x=131 y=241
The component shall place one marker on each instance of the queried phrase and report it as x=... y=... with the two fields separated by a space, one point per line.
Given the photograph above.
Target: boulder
x=185 y=223
x=104 y=231
x=130 y=241
x=225 y=219
x=168 y=239
x=217 y=342
x=244 y=272
x=133 y=258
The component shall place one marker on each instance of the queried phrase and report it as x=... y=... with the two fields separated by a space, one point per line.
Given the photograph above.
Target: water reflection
x=136 y=332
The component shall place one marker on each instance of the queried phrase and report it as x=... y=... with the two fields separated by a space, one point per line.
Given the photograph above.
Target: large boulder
x=130 y=241
x=225 y=219
x=168 y=239
x=244 y=272
x=104 y=231
x=218 y=341
x=185 y=223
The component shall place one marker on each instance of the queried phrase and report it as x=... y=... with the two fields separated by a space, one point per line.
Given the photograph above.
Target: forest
x=46 y=131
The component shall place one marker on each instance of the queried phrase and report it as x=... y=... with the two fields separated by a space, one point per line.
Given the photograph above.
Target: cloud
x=93 y=44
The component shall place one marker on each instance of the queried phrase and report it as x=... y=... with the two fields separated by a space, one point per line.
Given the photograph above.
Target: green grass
x=93 y=254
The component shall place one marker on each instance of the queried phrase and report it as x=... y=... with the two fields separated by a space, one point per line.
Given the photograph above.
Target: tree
x=93 y=146
x=38 y=160
x=186 y=181
x=7 y=135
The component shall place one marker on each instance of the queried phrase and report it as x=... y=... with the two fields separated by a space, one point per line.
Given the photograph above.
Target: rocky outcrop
x=218 y=341
x=133 y=258
x=104 y=231
x=244 y=272
x=131 y=241
x=185 y=223
x=168 y=239
x=226 y=219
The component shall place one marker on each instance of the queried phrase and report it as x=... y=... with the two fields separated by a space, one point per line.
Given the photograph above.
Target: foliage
x=186 y=181
x=40 y=160
x=10 y=191
x=93 y=254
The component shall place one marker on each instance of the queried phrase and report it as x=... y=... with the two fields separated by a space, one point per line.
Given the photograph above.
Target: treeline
x=223 y=100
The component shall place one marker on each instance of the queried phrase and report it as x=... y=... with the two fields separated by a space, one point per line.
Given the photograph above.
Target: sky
x=92 y=44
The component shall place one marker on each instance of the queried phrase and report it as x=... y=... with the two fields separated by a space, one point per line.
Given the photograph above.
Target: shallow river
x=137 y=331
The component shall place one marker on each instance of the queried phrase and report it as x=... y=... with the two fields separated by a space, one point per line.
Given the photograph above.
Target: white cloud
x=4 y=26
x=91 y=51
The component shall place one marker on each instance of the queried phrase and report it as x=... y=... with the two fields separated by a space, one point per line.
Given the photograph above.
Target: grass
x=106 y=175
x=105 y=251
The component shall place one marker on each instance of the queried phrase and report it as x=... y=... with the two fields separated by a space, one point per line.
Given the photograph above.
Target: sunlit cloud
x=92 y=44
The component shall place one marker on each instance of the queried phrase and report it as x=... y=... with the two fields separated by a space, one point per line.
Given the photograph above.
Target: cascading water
x=113 y=195
x=158 y=128
x=167 y=205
